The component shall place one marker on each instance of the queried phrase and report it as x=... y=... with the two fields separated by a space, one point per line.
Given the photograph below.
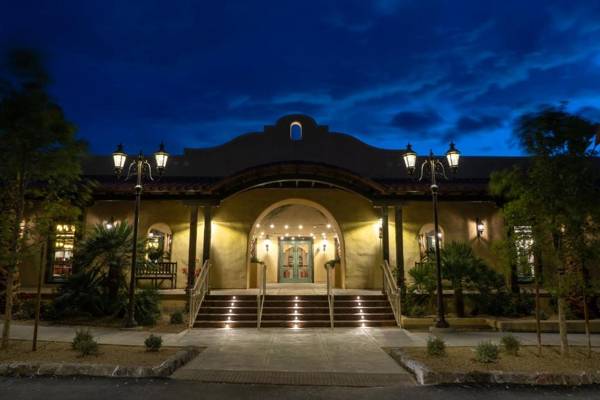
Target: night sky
x=199 y=73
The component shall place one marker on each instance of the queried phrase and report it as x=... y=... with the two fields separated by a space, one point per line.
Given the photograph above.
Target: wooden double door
x=295 y=263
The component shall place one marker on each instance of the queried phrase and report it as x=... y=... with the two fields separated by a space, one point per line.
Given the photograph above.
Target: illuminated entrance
x=295 y=263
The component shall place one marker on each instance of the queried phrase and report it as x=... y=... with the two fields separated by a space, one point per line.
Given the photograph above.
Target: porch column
x=192 y=244
x=385 y=235
x=399 y=245
x=207 y=232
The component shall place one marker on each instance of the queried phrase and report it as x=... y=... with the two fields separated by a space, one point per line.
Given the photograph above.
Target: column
x=192 y=244
x=385 y=236
x=207 y=233
x=399 y=245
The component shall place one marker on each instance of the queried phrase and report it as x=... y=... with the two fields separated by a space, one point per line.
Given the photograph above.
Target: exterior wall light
x=119 y=158
x=161 y=157
x=480 y=227
x=453 y=156
x=410 y=159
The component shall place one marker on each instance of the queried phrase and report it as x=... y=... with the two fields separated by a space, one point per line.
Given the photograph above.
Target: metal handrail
x=393 y=293
x=329 y=266
x=198 y=292
x=262 y=293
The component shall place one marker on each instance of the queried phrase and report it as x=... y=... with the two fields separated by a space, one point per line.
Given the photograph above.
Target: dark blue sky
x=199 y=73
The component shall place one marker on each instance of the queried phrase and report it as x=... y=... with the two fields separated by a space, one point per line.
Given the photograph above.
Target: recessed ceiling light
x=272 y=226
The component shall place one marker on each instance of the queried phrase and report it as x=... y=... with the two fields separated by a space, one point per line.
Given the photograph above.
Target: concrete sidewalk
x=299 y=356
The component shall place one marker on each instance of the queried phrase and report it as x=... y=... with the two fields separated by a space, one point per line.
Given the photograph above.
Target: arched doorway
x=295 y=238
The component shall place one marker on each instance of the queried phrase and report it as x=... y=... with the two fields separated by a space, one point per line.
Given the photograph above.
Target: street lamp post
x=141 y=168
x=434 y=167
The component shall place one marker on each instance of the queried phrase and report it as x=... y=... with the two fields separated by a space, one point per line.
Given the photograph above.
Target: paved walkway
x=344 y=356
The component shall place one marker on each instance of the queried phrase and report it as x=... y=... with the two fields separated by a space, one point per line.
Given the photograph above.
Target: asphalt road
x=116 y=389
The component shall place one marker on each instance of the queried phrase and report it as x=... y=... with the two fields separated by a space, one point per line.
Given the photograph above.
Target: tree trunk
x=11 y=269
x=10 y=278
x=562 y=321
x=38 y=300
x=538 y=330
x=586 y=311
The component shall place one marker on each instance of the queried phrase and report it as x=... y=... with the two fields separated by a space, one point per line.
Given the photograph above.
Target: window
x=64 y=245
x=427 y=240
x=523 y=239
x=158 y=246
x=295 y=131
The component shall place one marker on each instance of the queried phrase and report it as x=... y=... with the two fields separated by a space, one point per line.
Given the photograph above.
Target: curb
x=426 y=376
x=163 y=370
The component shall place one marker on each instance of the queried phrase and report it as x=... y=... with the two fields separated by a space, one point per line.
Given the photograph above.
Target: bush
x=511 y=345
x=84 y=343
x=153 y=343
x=486 y=352
x=436 y=347
x=147 y=310
x=177 y=317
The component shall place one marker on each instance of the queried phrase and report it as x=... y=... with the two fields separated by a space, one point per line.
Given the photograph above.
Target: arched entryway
x=295 y=238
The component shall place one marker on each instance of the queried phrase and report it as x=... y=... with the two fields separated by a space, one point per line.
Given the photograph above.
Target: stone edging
x=426 y=376
x=165 y=369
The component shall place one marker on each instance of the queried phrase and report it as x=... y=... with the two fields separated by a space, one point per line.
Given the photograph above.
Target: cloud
x=468 y=124
x=416 y=120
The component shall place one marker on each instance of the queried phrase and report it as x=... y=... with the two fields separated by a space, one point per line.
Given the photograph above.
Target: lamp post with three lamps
x=140 y=168
x=434 y=167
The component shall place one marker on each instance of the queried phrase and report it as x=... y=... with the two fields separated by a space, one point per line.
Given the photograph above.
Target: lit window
x=64 y=245
x=523 y=237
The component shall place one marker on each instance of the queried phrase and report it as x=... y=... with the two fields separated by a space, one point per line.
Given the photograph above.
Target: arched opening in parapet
x=295 y=238
x=296 y=130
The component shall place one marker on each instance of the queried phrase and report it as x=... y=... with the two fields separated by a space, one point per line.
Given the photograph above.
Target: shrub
x=486 y=352
x=153 y=343
x=436 y=347
x=177 y=317
x=510 y=344
x=84 y=343
x=147 y=310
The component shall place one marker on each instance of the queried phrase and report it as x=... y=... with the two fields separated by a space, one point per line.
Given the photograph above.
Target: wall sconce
x=480 y=227
x=380 y=228
x=267 y=243
x=324 y=244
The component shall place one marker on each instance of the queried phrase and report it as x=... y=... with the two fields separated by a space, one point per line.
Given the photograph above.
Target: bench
x=157 y=272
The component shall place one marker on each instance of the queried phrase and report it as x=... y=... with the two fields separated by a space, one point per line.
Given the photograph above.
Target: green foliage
x=147 y=306
x=458 y=263
x=556 y=193
x=487 y=352
x=436 y=347
x=84 y=294
x=40 y=167
x=84 y=343
x=510 y=344
x=99 y=288
x=177 y=317
x=153 y=343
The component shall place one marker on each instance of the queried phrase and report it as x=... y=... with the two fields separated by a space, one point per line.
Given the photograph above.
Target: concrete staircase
x=291 y=311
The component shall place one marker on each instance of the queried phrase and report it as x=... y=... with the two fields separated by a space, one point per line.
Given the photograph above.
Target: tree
x=457 y=263
x=39 y=169
x=556 y=193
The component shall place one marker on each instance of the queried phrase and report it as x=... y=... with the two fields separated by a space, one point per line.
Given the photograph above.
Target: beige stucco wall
x=356 y=217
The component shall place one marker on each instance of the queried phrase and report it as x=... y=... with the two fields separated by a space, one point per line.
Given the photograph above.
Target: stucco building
x=293 y=196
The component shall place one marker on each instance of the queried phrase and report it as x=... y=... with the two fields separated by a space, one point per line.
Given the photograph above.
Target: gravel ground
x=462 y=359
x=62 y=352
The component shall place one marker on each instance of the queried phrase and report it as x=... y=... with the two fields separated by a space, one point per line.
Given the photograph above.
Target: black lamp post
x=141 y=168
x=434 y=167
